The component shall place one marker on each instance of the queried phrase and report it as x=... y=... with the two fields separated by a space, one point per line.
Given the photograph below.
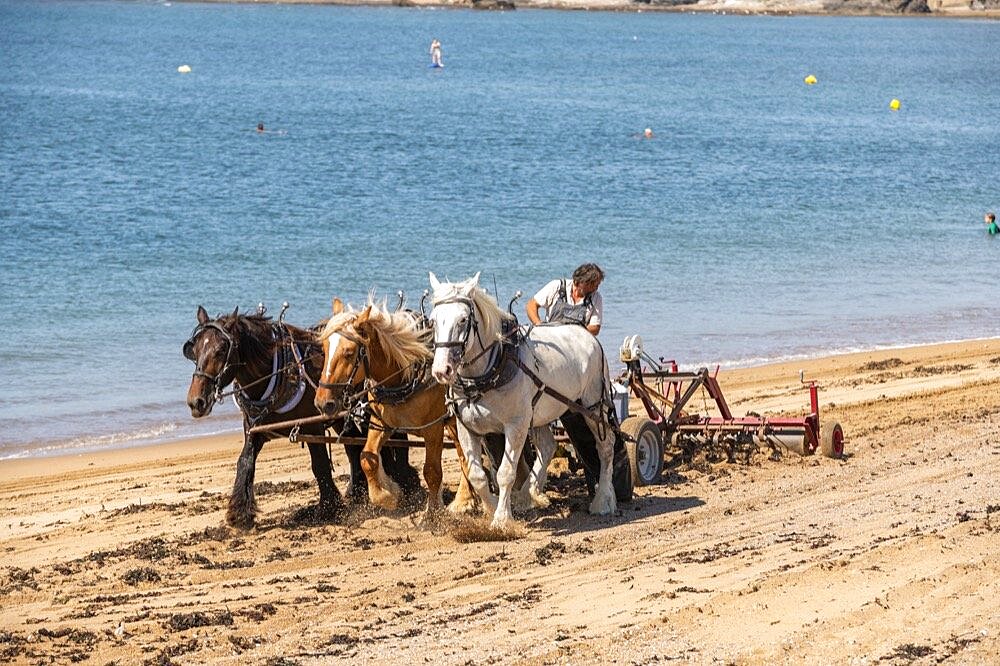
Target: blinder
x=360 y=360
x=188 y=350
x=470 y=324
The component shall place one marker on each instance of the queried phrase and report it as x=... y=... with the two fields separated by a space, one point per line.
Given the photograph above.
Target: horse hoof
x=465 y=506
x=501 y=524
x=541 y=500
x=384 y=500
x=603 y=506
x=240 y=521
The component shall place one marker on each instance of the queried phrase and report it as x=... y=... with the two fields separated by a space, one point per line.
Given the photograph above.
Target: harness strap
x=382 y=427
x=541 y=387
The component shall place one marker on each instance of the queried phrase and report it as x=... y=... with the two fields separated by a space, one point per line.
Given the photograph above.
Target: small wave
x=102 y=441
x=158 y=434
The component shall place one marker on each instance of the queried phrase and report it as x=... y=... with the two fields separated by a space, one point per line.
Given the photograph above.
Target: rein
x=188 y=351
x=503 y=350
x=381 y=394
x=471 y=325
x=472 y=388
x=255 y=410
x=360 y=361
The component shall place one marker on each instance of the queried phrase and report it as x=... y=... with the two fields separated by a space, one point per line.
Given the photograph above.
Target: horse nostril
x=197 y=404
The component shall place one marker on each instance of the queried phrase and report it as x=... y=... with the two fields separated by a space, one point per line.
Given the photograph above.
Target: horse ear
x=338 y=306
x=202 y=316
x=236 y=312
x=475 y=279
x=362 y=319
x=435 y=285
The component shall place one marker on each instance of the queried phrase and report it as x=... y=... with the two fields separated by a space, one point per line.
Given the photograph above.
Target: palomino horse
x=510 y=385
x=273 y=367
x=387 y=355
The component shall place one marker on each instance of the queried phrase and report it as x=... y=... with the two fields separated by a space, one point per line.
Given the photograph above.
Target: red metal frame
x=680 y=387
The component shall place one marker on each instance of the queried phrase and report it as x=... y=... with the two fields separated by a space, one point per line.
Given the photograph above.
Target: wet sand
x=886 y=556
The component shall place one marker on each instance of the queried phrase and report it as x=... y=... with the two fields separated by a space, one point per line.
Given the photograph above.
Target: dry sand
x=887 y=556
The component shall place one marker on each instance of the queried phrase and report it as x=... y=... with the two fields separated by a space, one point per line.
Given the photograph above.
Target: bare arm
x=594 y=329
x=532 y=308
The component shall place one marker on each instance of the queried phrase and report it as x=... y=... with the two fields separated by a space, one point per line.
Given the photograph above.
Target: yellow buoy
x=184 y=69
x=894 y=105
x=810 y=80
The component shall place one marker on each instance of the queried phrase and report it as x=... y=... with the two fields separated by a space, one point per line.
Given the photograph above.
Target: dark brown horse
x=272 y=368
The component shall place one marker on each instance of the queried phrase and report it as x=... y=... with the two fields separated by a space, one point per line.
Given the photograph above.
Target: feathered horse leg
x=242 y=505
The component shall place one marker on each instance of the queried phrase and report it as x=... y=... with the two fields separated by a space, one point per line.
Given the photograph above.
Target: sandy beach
x=887 y=556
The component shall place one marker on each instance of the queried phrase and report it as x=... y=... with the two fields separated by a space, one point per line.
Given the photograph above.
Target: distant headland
x=937 y=8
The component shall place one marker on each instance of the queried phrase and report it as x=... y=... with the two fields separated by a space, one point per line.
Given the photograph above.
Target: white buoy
x=184 y=69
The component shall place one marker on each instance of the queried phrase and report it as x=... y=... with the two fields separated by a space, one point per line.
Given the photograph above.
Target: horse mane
x=338 y=322
x=402 y=341
x=252 y=331
x=491 y=315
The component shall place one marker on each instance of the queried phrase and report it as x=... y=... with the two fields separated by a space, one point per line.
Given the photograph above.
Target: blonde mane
x=401 y=340
x=339 y=322
x=490 y=315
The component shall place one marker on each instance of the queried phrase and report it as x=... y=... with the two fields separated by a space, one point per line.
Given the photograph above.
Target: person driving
x=571 y=301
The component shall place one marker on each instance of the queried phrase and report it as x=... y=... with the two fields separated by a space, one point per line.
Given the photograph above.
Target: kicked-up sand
x=887 y=556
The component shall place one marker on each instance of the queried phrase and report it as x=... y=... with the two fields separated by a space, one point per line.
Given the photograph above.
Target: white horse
x=564 y=360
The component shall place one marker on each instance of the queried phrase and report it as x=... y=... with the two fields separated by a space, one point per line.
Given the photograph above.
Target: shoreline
x=186 y=445
x=726 y=367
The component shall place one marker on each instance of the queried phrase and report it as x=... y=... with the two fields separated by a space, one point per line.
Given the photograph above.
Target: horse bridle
x=188 y=351
x=471 y=324
x=360 y=361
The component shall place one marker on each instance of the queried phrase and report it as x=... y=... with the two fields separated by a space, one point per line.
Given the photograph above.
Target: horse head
x=454 y=320
x=212 y=348
x=345 y=357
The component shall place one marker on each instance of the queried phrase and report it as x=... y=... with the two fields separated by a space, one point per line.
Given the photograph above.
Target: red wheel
x=831 y=440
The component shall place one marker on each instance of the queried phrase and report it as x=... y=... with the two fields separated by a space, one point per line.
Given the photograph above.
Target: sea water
x=766 y=220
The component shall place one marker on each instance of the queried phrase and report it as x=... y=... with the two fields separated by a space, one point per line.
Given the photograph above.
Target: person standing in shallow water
x=991 y=224
x=436 y=54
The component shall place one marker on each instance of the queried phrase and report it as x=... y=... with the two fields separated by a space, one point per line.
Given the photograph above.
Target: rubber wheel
x=645 y=450
x=831 y=440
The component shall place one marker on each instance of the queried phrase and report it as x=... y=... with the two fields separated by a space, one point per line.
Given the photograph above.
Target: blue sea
x=766 y=220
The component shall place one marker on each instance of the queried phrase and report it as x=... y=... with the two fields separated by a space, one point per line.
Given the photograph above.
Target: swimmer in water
x=260 y=128
x=991 y=224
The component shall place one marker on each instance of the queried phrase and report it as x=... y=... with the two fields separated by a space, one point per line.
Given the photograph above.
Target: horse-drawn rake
x=724 y=435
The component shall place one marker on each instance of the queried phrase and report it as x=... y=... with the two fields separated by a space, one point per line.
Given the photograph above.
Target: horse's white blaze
x=334 y=343
x=445 y=318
